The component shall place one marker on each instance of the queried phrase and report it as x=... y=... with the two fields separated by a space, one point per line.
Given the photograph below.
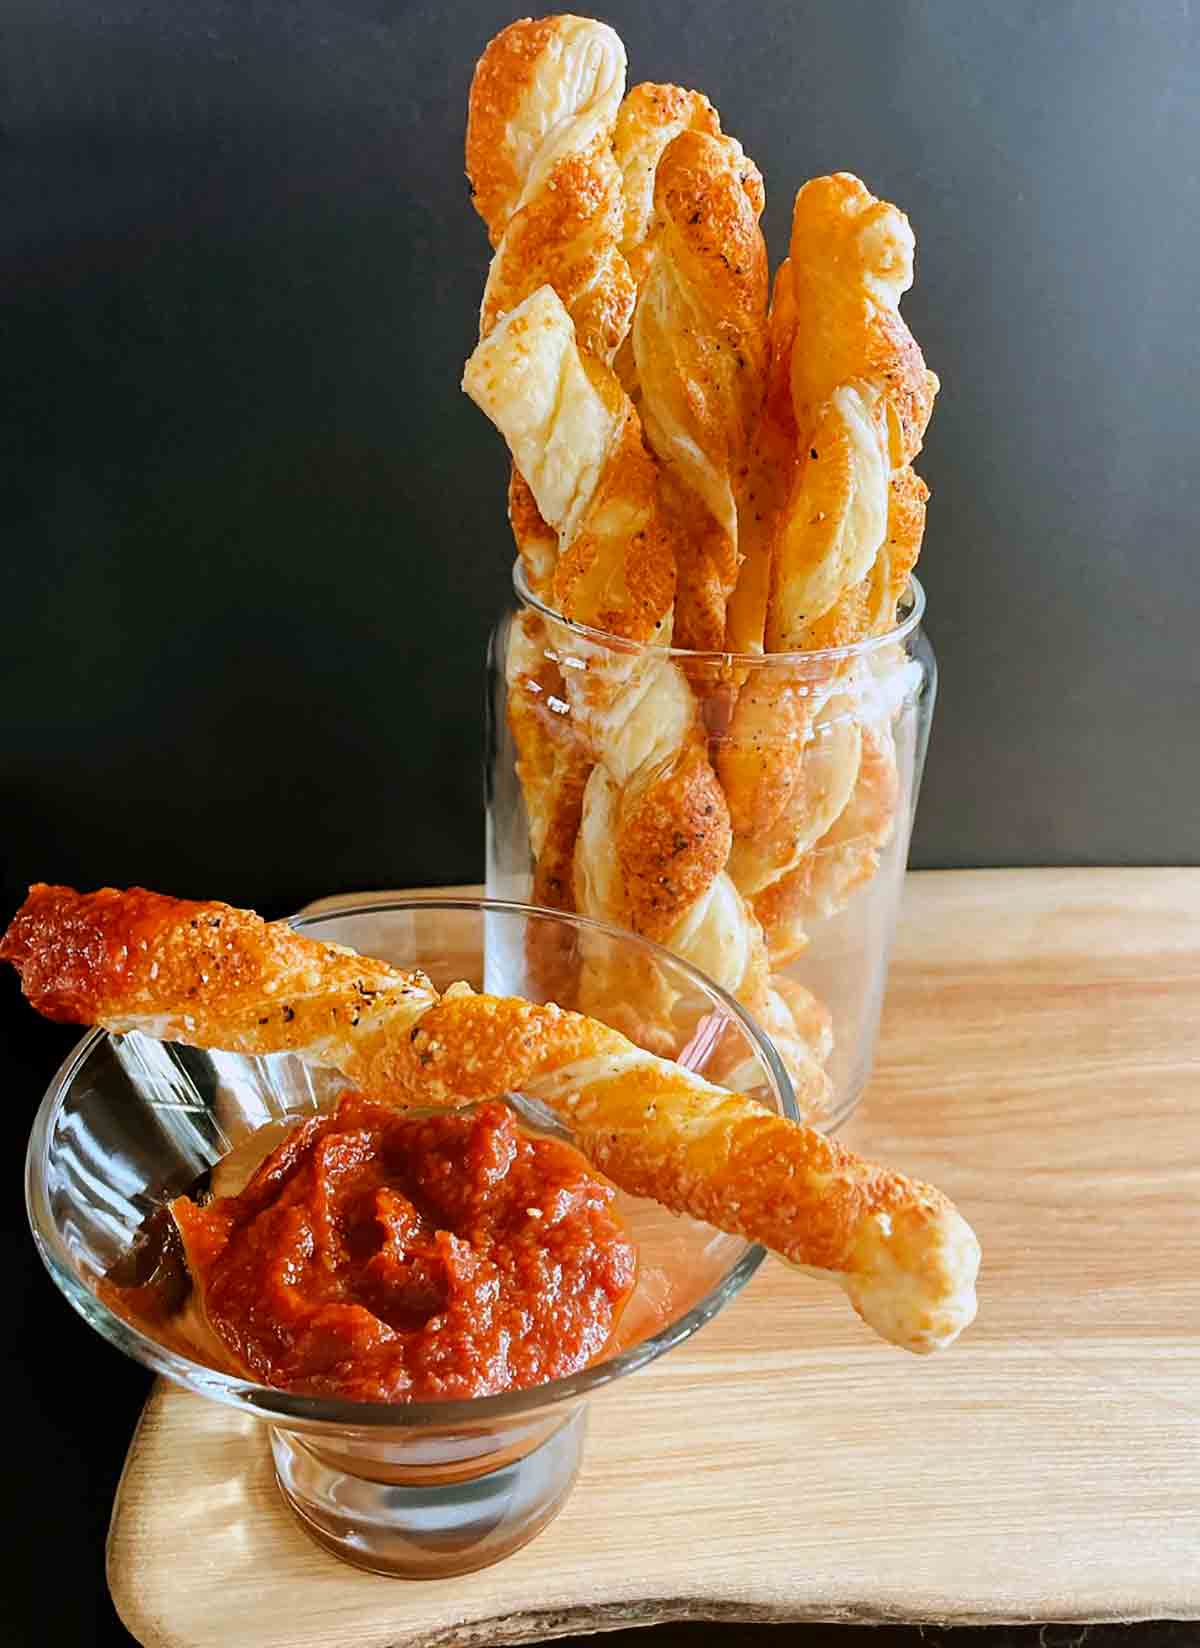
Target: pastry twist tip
x=921 y=1308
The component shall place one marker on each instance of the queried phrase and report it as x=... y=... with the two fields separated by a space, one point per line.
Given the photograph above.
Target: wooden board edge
x=143 y=1617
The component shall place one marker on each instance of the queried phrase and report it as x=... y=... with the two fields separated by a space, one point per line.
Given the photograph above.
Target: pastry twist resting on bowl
x=213 y=976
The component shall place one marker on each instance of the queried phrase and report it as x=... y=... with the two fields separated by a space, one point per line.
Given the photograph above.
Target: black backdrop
x=254 y=534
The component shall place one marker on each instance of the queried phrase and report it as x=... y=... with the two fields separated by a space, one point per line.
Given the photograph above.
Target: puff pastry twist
x=598 y=539
x=543 y=105
x=697 y=353
x=654 y=830
x=861 y=399
x=847 y=404
x=214 y=976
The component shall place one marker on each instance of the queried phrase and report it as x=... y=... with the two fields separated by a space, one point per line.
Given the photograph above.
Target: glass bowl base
x=429 y=1530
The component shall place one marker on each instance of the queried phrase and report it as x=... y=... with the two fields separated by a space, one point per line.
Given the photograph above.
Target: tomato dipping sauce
x=386 y=1257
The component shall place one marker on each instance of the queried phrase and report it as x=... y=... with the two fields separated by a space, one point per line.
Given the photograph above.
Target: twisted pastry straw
x=542 y=111
x=552 y=764
x=214 y=976
x=843 y=858
x=543 y=105
x=545 y=187
x=576 y=440
x=861 y=397
x=649 y=119
x=634 y=712
x=823 y=771
x=764 y=483
x=654 y=833
x=842 y=544
x=698 y=347
x=761 y=760
x=207 y=974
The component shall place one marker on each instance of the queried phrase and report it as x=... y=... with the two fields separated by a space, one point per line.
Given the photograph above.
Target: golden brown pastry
x=214 y=976
x=759 y=756
x=552 y=767
x=543 y=106
x=824 y=772
x=819 y=797
x=698 y=346
x=653 y=831
x=207 y=974
x=843 y=859
x=902 y=1253
x=765 y=477
x=576 y=440
x=542 y=110
x=650 y=118
x=861 y=398
x=847 y=403
x=537 y=543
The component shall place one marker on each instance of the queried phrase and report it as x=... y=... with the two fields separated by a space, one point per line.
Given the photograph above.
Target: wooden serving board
x=1040 y=1060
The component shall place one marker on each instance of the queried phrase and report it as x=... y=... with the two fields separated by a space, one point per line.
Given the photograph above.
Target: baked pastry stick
x=811 y=775
x=861 y=397
x=576 y=440
x=840 y=860
x=823 y=772
x=760 y=758
x=542 y=108
x=649 y=119
x=543 y=104
x=554 y=200
x=851 y=261
x=903 y=1255
x=217 y=977
x=552 y=766
x=573 y=436
x=763 y=484
x=654 y=832
x=207 y=974
x=697 y=355
x=844 y=539
x=541 y=114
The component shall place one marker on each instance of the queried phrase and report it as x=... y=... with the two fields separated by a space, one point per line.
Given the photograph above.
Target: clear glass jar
x=750 y=813
x=419 y=1489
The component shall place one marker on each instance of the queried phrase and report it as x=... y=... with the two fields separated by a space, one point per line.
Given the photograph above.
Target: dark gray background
x=254 y=535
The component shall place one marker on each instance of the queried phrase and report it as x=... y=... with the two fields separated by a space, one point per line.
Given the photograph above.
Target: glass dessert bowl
x=418 y=1489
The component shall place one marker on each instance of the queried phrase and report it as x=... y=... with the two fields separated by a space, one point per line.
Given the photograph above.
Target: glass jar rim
x=317 y=1412
x=911 y=605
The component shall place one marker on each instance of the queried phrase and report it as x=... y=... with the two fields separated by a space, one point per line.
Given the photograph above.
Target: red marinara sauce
x=391 y=1258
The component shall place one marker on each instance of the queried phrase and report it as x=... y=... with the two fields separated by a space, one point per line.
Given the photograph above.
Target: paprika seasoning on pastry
x=382 y=1256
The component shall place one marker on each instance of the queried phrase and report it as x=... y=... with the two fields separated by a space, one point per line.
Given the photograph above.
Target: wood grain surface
x=1040 y=1060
